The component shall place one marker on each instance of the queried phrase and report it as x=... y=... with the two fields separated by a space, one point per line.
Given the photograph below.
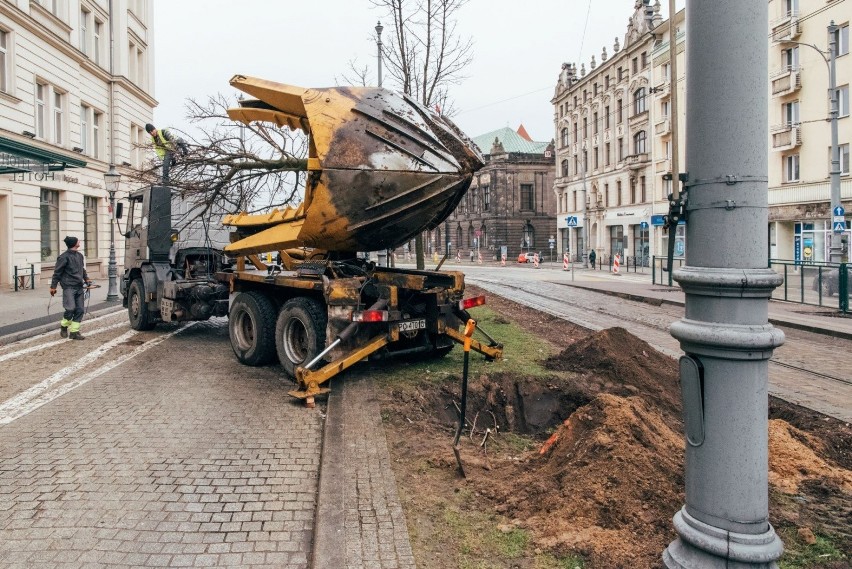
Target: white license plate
x=412 y=325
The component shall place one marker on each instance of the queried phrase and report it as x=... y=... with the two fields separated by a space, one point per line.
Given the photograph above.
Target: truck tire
x=251 y=327
x=300 y=332
x=137 y=307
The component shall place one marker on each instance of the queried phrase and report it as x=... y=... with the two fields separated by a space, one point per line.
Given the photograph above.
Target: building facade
x=509 y=207
x=800 y=213
x=605 y=182
x=76 y=78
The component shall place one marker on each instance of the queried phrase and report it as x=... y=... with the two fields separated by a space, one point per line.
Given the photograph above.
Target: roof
x=22 y=157
x=511 y=141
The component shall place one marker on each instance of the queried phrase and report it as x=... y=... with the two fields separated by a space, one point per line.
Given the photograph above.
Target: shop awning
x=22 y=157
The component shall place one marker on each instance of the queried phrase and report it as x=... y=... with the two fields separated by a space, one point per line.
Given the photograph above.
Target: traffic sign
x=571 y=221
x=839 y=211
x=644 y=225
x=839 y=226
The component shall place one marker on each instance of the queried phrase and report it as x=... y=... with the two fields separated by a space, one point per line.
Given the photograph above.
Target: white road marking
x=23 y=351
x=53 y=332
x=37 y=395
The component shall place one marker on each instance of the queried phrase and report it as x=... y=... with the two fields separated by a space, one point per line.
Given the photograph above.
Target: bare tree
x=425 y=55
x=231 y=167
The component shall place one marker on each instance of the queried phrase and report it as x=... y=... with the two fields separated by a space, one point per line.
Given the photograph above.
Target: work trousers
x=73 y=303
x=168 y=160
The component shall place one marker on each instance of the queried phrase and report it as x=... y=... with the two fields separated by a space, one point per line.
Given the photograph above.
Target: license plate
x=412 y=325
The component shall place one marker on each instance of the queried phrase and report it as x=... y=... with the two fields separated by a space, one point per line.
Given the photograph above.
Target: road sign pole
x=727 y=337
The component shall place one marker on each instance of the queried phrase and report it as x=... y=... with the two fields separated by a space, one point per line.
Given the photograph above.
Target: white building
x=76 y=78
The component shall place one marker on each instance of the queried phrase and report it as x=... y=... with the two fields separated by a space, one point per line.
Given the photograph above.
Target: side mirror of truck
x=119 y=210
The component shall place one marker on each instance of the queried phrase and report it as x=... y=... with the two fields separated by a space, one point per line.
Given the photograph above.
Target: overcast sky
x=519 y=48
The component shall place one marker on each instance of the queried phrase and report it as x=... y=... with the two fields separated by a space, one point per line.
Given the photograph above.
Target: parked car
x=528 y=257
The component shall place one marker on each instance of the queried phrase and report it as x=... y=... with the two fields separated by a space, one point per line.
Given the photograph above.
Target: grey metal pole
x=112 y=269
x=725 y=332
x=587 y=246
x=836 y=250
x=379 y=29
x=674 y=106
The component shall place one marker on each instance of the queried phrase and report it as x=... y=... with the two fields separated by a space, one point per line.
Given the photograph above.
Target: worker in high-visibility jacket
x=165 y=145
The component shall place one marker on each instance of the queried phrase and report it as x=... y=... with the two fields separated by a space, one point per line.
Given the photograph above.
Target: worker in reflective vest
x=165 y=145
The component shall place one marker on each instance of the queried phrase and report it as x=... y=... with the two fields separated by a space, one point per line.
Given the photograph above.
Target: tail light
x=370 y=316
x=471 y=302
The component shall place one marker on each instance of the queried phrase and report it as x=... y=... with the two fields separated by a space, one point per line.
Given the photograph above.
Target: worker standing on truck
x=70 y=272
x=165 y=145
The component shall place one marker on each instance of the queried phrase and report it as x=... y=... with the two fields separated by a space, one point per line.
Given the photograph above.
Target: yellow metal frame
x=495 y=352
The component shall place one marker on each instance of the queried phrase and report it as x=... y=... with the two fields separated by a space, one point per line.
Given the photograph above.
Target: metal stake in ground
x=468 y=332
x=726 y=334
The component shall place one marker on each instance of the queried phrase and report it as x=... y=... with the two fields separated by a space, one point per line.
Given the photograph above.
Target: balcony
x=787 y=27
x=663 y=90
x=663 y=127
x=638 y=118
x=663 y=166
x=786 y=136
x=786 y=80
x=635 y=161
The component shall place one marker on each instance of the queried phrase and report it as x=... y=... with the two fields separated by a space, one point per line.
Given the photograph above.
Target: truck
x=381 y=168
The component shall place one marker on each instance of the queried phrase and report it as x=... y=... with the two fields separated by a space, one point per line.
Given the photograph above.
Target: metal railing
x=813 y=283
x=658 y=275
x=24 y=278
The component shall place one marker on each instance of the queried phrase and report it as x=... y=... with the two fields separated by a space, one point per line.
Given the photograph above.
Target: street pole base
x=702 y=546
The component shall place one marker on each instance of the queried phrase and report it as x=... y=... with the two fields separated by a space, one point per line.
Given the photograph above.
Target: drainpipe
x=725 y=332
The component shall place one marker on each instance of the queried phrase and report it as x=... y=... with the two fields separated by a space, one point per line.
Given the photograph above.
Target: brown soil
x=606 y=473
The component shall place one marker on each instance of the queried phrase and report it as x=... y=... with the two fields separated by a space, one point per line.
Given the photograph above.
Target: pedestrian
x=471 y=255
x=70 y=272
x=592 y=257
x=165 y=145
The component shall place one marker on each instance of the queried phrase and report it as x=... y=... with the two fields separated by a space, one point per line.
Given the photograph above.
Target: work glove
x=52 y=291
x=88 y=283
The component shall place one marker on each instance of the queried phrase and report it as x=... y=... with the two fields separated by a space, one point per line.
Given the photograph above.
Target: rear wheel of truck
x=300 y=332
x=137 y=307
x=251 y=326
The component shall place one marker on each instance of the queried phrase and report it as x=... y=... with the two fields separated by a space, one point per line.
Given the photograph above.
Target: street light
x=111 y=180
x=835 y=249
x=379 y=29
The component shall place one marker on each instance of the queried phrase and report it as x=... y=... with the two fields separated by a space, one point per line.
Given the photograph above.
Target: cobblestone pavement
x=178 y=457
x=358 y=485
x=819 y=355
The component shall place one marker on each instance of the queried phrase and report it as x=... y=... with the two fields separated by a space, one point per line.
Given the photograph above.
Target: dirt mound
x=607 y=487
x=794 y=459
x=615 y=361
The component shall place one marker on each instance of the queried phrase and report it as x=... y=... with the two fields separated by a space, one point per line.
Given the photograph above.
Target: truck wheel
x=137 y=307
x=300 y=332
x=251 y=325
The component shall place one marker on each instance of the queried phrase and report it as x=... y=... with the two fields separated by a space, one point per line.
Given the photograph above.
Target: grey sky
x=519 y=48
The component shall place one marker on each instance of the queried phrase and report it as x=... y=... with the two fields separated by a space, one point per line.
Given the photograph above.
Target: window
x=90 y=226
x=97 y=122
x=606 y=117
x=665 y=107
x=635 y=65
x=597 y=162
x=585 y=127
x=85 y=17
x=595 y=89
x=51 y=6
x=459 y=237
x=844 y=158
x=96 y=41
x=791 y=168
x=575 y=132
x=668 y=148
x=791 y=113
x=618 y=192
x=606 y=82
x=639 y=101
x=843 y=101
x=644 y=60
x=606 y=195
x=667 y=72
x=136 y=64
x=41 y=109
x=790 y=58
x=85 y=143
x=639 y=140
x=564 y=137
x=575 y=201
x=529 y=236
x=585 y=161
x=620 y=149
x=576 y=164
x=527 y=197
x=595 y=124
x=607 y=153
x=792 y=7
x=5 y=63
x=49 y=224
x=486 y=197
x=565 y=170
x=643 y=196
x=632 y=189
x=620 y=107
x=58 y=117
x=841 y=40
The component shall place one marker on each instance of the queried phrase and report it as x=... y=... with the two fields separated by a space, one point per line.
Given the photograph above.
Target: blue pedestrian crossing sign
x=839 y=226
x=839 y=211
x=571 y=221
x=643 y=225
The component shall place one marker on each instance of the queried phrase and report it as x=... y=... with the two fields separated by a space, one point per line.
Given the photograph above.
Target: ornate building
x=510 y=205
x=605 y=180
x=76 y=78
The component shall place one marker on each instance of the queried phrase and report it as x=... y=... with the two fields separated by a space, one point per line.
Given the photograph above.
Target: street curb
x=29 y=333
x=329 y=548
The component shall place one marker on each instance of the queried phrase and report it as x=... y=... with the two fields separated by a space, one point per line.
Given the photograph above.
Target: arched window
x=483 y=237
x=529 y=236
x=470 y=236
x=639 y=140
x=565 y=136
x=639 y=101
x=459 y=235
x=565 y=170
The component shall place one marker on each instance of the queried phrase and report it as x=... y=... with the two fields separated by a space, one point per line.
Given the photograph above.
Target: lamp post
x=379 y=29
x=111 y=180
x=835 y=249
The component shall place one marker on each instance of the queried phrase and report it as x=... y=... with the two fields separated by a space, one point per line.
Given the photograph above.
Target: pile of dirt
x=615 y=361
x=606 y=487
x=795 y=457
